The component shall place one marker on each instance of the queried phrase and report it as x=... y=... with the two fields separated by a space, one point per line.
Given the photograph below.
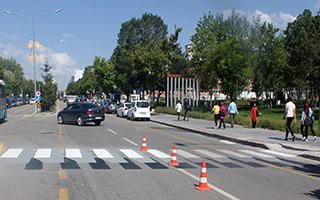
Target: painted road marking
x=102 y=153
x=1 y=147
x=73 y=153
x=12 y=153
x=112 y=131
x=226 y=142
x=130 y=153
x=126 y=139
x=256 y=153
x=43 y=153
x=63 y=194
x=232 y=153
x=186 y=154
x=278 y=153
x=210 y=154
x=158 y=153
x=62 y=174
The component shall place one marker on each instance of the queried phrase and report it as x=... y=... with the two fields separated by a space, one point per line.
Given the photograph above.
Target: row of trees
x=227 y=50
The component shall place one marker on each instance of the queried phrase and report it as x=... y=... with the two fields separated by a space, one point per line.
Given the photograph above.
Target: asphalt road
x=40 y=159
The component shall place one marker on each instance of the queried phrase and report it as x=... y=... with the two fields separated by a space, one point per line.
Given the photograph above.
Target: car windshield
x=143 y=104
x=89 y=105
x=127 y=105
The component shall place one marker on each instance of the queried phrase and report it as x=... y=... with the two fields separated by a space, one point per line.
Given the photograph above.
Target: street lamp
x=33 y=19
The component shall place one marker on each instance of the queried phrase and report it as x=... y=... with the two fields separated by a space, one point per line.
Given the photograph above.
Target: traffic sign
x=38 y=93
x=38 y=98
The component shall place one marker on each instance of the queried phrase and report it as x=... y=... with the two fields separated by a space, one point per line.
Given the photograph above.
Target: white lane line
x=43 y=153
x=102 y=153
x=278 y=153
x=112 y=131
x=12 y=153
x=186 y=154
x=73 y=153
x=232 y=153
x=256 y=153
x=215 y=188
x=158 y=153
x=210 y=154
x=130 y=153
x=226 y=142
x=126 y=139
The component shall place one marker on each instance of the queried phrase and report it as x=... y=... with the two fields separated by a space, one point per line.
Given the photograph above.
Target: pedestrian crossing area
x=131 y=158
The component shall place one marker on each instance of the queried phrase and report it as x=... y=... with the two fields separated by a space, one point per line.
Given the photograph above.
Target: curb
x=243 y=142
x=221 y=137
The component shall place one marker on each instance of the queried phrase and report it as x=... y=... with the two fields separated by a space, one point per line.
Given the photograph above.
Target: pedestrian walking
x=186 y=109
x=305 y=122
x=232 y=109
x=223 y=114
x=216 y=114
x=178 y=108
x=312 y=122
x=254 y=115
x=290 y=114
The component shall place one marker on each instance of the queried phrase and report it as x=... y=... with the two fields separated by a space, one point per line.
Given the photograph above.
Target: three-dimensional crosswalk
x=123 y=156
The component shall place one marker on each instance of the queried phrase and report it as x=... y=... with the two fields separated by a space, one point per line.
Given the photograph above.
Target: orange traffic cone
x=173 y=161
x=203 y=185
x=144 y=144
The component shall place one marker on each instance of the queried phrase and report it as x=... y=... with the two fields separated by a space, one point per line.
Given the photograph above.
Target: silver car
x=122 y=110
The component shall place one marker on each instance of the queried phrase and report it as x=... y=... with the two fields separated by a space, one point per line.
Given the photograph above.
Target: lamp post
x=33 y=19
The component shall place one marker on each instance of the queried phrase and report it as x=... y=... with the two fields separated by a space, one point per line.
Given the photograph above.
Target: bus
x=3 y=101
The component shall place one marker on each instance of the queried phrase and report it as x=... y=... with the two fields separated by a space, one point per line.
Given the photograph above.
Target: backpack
x=223 y=112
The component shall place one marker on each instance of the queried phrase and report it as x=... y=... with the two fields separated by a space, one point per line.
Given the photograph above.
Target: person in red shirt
x=254 y=115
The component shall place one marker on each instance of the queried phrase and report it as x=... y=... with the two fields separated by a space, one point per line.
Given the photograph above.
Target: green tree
x=105 y=74
x=48 y=90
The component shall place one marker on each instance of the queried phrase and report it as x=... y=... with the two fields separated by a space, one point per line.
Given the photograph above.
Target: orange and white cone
x=173 y=161
x=144 y=144
x=203 y=182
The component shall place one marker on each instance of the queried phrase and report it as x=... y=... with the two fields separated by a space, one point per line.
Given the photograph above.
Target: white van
x=139 y=110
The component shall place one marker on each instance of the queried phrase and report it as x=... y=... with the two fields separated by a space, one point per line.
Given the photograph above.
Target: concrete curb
x=243 y=142
x=221 y=137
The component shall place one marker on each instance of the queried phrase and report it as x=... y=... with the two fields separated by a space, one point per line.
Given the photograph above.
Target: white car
x=139 y=110
x=32 y=101
x=122 y=110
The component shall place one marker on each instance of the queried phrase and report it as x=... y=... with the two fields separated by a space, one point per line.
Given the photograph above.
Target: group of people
x=186 y=106
x=220 y=112
x=306 y=121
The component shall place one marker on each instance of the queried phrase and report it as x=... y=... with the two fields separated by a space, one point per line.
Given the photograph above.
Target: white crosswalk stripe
x=116 y=155
x=232 y=153
x=256 y=153
x=102 y=153
x=73 y=153
x=277 y=153
x=186 y=154
x=209 y=153
x=12 y=153
x=43 y=153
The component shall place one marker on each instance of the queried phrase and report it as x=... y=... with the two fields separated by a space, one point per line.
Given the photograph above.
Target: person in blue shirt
x=232 y=110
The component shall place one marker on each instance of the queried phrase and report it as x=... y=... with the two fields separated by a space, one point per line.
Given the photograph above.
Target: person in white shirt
x=290 y=116
x=178 y=108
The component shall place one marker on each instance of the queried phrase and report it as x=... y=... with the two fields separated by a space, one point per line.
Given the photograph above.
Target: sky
x=84 y=29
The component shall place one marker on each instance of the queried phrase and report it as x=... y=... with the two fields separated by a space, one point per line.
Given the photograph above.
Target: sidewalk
x=262 y=138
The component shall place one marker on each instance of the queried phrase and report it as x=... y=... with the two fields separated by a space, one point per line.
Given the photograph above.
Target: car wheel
x=60 y=119
x=97 y=123
x=79 y=121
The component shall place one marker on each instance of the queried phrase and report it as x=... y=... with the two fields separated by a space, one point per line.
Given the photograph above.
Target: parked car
x=71 y=99
x=32 y=101
x=110 y=107
x=139 y=110
x=81 y=113
x=14 y=103
x=122 y=110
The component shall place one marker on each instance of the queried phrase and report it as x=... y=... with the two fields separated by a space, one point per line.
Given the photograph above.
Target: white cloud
x=8 y=36
x=10 y=51
x=279 y=20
